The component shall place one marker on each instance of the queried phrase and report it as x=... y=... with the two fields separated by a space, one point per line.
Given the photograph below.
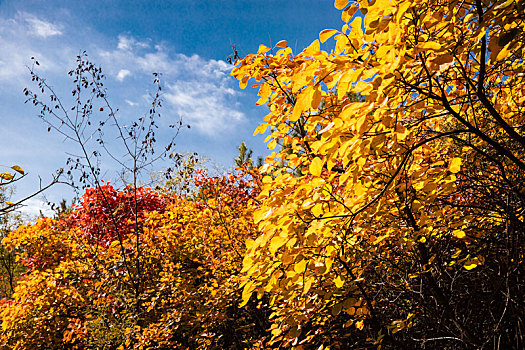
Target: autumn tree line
x=390 y=215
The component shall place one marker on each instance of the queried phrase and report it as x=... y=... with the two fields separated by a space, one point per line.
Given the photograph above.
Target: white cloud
x=122 y=74
x=199 y=90
x=42 y=28
x=25 y=36
x=124 y=43
x=34 y=206
x=127 y=43
x=204 y=106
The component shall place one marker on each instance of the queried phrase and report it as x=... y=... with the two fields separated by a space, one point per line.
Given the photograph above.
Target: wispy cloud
x=25 y=36
x=34 y=207
x=42 y=28
x=198 y=90
x=122 y=74
x=206 y=106
x=128 y=43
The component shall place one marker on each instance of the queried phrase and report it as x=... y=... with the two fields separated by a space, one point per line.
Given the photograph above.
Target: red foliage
x=233 y=190
x=106 y=214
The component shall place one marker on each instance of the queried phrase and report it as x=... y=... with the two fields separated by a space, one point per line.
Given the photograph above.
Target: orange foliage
x=78 y=290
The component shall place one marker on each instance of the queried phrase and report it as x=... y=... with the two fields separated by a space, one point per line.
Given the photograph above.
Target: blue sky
x=187 y=41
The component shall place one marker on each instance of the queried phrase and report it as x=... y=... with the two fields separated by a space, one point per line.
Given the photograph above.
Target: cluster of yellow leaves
x=6 y=178
x=199 y=250
x=45 y=243
x=377 y=138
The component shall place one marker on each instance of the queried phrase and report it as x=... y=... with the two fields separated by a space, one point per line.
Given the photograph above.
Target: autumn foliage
x=79 y=289
x=390 y=215
x=105 y=213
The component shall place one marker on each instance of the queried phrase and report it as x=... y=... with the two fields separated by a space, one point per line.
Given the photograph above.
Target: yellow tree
x=9 y=219
x=405 y=225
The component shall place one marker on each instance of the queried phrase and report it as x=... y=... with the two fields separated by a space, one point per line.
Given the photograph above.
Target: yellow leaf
x=313 y=48
x=456 y=254
x=503 y=53
x=307 y=285
x=474 y=262
x=18 y=169
x=471 y=264
x=300 y=266
x=267 y=179
x=261 y=129
x=276 y=243
x=243 y=82
x=339 y=282
x=249 y=243
x=316 y=99
x=265 y=91
x=317 y=210
x=459 y=233
x=6 y=176
x=359 y=124
x=359 y=324
x=362 y=86
x=504 y=4
x=326 y=34
x=455 y=165
x=282 y=43
x=316 y=166
x=430 y=46
x=348 y=13
x=340 y=4
x=291 y=242
x=402 y=9
x=383 y=50
x=329 y=261
x=356 y=27
x=263 y=49
x=326 y=128
x=272 y=144
x=246 y=293
x=401 y=132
